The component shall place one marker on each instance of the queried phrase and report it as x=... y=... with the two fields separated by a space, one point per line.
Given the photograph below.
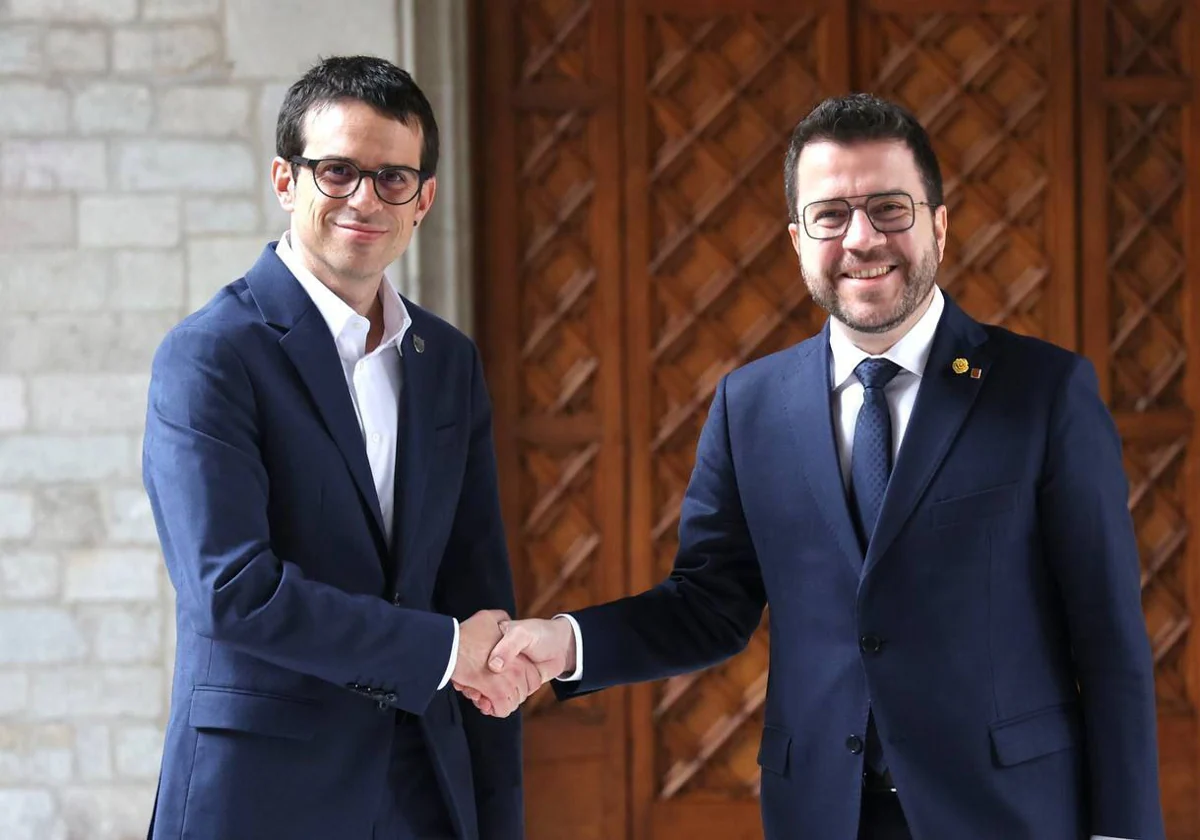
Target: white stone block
x=49 y=753
x=93 y=752
x=205 y=111
x=74 y=11
x=54 y=280
x=118 y=342
x=14 y=693
x=180 y=9
x=121 y=221
x=62 y=165
x=36 y=221
x=188 y=48
x=29 y=575
x=129 y=574
x=30 y=814
x=185 y=165
x=63 y=693
x=88 y=402
x=123 y=634
x=220 y=215
x=148 y=280
x=14 y=415
x=139 y=752
x=212 y=263
x=39 y=636
x=21 y=50
x=108 y=813
x=127 y=516
x=29 y=108
x=50 y=459
x=68 y=515
x=16 y=515
x=77 y=50
x=252 y=30
x=113 y=108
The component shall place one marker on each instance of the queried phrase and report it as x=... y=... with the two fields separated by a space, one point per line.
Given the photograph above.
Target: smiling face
x=348 y=242
x=876 y=284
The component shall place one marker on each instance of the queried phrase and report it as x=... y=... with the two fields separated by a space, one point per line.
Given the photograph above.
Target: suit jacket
x=994 y=622
x=299 y=633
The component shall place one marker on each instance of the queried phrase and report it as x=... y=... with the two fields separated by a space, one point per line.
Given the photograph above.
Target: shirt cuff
x=578 y=674
x=453 y=658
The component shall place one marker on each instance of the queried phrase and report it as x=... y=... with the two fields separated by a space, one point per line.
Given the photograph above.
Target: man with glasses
x=935 y=511
x=319 y=461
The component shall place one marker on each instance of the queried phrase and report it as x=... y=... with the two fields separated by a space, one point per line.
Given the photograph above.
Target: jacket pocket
x=974 y=506
x=239 y=710
x=773 y=750
x=1036 y=734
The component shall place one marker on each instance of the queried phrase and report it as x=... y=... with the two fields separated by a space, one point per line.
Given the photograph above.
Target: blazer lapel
x=310 y=348
x=808 y=405
x=415 y=436
x=943 y=402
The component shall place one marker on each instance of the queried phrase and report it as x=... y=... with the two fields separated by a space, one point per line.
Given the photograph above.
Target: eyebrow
x=360 y=166
x=863 y=195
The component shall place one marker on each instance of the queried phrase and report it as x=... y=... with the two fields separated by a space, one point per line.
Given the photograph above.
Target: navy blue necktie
x=871 y=453
x=870 y=468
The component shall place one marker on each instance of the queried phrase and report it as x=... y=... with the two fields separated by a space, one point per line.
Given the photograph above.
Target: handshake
x=501 y=662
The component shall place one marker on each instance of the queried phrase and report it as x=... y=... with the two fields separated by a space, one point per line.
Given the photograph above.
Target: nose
x=861 y=234
x=365 y=199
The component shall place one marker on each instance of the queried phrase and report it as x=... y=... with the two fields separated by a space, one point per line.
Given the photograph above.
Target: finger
x=507 y=649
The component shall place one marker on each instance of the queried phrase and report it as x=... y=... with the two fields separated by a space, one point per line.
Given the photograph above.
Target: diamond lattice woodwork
x=722 y=96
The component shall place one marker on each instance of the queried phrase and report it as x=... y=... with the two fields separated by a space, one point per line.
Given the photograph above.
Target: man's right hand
x=496 y=694
x=548 y=646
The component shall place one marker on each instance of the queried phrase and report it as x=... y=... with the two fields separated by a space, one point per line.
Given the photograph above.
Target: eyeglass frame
x=312 y=163
x=866 y=197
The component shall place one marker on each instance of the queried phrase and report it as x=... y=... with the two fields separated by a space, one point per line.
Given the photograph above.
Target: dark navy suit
x=305 y=643
x=994 y=624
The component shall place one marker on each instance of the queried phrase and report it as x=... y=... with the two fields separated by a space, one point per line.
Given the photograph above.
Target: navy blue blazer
x=299 y=633
x=994 y=623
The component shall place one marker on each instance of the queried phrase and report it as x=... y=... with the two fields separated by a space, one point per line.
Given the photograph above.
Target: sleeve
x=1090 y=544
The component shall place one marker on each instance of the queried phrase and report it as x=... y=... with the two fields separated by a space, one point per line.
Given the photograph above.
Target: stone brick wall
x=135 y=140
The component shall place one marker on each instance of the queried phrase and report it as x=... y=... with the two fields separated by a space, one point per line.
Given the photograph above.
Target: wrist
x=566 y=636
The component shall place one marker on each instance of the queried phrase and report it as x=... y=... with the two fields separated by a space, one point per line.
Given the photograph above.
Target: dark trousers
x=882 y=817
x=413 y=807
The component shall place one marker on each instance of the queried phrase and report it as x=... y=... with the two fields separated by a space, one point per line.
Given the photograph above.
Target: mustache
x=859 y=259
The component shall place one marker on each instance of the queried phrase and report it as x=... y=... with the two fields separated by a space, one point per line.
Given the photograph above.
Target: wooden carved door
x=633 y=251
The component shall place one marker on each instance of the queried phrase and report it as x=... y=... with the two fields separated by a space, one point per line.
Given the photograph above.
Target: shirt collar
x=911 y=352
x=348 y=328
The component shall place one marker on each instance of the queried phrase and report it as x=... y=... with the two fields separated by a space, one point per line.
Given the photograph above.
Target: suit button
x=854 y=744
x=397 y=600
x=390 y=697
x=870 y=644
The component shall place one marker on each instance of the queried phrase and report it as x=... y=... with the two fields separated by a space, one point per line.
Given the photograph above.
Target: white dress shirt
x=911 y=353
x=374 y=381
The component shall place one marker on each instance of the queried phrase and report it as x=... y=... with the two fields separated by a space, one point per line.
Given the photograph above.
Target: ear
x=425 y=199
x=794 y=234
x=940 y=224
x=284 y=182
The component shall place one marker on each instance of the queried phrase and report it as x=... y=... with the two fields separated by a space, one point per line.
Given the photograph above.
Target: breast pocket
x=974 y=507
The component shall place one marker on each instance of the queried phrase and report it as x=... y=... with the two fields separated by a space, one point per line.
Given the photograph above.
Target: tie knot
x=876 y=373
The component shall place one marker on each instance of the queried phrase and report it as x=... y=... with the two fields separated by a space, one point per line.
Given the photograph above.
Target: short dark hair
x=859 y=118
x=378 y=83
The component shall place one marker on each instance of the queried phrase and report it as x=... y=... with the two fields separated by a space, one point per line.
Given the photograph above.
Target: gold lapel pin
x=976 y=373
x=418 y=344
x=960 y=365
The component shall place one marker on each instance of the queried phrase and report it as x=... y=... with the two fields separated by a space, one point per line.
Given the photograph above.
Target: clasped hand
x=502 y=662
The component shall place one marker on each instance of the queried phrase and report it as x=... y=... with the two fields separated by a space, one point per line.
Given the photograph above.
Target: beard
x=870 y=317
